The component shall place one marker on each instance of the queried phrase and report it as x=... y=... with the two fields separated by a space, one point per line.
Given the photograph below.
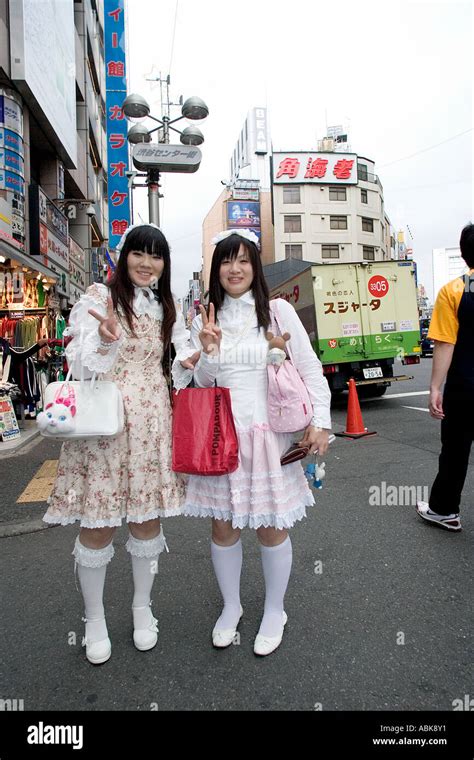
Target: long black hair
x=149 y=240
x=229 y=249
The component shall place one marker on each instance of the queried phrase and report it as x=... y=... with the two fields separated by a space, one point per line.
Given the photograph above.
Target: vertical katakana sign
x=116 y=92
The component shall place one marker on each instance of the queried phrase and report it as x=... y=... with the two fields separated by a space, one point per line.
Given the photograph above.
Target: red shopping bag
x=204 y=437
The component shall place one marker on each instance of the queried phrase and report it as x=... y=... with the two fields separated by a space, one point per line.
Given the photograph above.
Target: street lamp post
x=136 y=107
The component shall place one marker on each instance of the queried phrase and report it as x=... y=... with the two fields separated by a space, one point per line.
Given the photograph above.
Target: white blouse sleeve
x=84 y=353
x=307 y=363
x=205 y=371
x=181 y=341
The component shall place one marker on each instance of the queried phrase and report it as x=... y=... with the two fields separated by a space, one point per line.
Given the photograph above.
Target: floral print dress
x=104 y=480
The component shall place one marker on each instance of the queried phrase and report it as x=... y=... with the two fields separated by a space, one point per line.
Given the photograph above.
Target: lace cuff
x=181 y=376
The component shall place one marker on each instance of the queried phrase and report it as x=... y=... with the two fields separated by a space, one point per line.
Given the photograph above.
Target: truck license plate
x=371 y=372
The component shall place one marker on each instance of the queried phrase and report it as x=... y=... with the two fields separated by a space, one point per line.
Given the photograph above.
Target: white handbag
x=81 y=409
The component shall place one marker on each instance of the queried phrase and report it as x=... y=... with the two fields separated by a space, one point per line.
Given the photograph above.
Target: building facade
x=53 y=174
x=329 y=206
x=447 y=265
x=246 y=200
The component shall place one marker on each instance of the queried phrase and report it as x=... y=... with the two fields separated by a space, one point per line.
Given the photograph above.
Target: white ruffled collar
x=144 y=302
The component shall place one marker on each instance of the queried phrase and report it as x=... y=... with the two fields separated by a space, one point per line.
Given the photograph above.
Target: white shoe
x=97 y=652
x=146 y=636
x=223 y=637
x=448 y=522
x=264 y=645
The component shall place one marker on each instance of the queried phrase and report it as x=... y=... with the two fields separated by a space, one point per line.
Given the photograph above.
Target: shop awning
x=10 y=252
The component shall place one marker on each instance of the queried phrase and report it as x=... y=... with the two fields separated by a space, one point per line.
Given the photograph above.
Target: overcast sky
x=398 y=73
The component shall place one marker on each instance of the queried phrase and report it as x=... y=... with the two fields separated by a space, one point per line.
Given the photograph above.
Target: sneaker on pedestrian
x=448 y=522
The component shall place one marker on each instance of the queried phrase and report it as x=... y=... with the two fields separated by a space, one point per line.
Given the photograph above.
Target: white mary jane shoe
x=223 y=637
x=97 y=652
x=264 y=645
x=145 y=638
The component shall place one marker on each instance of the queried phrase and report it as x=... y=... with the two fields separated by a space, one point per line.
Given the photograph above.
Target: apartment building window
x=330 y=251
x=368 y=252
x=367 y=224
x=292 y=223
x=362 y=172
x=363 y=196
x=337 y=194
x=293 y=251
x=291 y=194
x=338 y=222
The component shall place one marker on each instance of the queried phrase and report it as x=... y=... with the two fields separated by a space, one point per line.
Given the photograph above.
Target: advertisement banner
x=8 y=423
x=44 y=68
x=11 y=161
x=11 y=140
x=11 y=112
x=117 y=126
x=243 y=214
x=11 y=181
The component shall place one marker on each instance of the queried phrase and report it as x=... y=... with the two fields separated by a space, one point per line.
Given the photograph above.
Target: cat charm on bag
x=59 y=415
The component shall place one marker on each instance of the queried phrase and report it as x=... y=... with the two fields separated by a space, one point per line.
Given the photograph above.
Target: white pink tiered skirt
x=260 y=493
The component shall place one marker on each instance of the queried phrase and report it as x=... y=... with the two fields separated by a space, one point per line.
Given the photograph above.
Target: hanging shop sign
x=49 y=237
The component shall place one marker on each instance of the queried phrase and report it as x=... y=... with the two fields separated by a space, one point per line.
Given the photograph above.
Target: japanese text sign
x=315 y=168
x=117 y=146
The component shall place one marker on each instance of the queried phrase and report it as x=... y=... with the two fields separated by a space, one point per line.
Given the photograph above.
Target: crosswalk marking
x=40 y=486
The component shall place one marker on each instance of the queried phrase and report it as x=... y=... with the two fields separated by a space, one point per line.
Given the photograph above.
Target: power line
x=174 y=33
x=424 y=150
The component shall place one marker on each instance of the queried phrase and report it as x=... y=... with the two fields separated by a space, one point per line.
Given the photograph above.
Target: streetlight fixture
x=156 y=159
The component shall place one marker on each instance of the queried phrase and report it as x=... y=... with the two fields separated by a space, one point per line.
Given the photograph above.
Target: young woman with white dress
x=261 y=494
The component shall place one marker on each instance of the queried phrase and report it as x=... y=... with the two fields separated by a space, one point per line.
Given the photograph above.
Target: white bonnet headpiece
x=122 y=240
x=245 y=233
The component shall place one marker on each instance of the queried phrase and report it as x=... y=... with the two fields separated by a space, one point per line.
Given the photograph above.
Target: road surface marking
x=419 y=408
x=396 y=395
x=40 y=486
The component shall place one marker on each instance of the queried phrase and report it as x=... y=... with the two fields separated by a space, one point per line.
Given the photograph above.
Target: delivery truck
x=360 y=317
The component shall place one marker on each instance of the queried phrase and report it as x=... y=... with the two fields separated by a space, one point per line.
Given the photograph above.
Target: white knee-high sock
x=91 y=568
x=227 y=562
x=276 y=562
x=144 y=554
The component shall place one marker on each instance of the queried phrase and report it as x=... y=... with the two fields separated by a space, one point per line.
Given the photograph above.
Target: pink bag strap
x=276 y=319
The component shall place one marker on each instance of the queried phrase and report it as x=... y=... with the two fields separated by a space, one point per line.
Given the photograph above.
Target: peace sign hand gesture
x=210 y=335
x=109 y=328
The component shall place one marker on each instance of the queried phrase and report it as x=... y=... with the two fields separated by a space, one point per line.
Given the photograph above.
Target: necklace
x=240 y=335
x=154 y=325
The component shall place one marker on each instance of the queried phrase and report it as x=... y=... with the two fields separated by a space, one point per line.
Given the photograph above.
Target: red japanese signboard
x=320 y=168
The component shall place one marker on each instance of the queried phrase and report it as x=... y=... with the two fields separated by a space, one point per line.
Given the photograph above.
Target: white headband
x=122 y=240
x=245 y=233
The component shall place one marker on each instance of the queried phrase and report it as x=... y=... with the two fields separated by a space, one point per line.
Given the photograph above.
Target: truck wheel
x=375 y=391
x=371 y=391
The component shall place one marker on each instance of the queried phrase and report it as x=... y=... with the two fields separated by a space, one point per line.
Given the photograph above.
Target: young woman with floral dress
x=125 y=331
x=261 y=494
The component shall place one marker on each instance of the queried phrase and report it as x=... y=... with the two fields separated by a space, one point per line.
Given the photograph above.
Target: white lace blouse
x=84 y=354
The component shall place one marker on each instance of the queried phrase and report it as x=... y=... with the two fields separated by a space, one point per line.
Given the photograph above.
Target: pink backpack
x=289 y=405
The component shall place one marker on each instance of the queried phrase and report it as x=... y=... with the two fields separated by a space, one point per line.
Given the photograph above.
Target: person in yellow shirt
x=452 y=329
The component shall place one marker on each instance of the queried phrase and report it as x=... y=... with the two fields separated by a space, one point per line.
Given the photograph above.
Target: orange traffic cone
x=354 y=423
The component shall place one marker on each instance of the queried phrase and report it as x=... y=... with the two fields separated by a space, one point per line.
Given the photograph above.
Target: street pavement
x=379 y=603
